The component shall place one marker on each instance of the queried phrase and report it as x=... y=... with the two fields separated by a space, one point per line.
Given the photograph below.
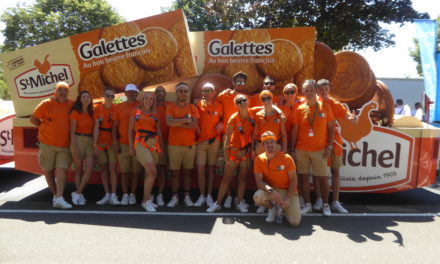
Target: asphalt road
x=387 y=228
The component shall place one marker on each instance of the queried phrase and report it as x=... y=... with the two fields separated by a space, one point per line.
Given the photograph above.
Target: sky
x=392 y=62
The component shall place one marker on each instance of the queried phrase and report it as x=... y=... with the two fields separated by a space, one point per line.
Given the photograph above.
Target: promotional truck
x=160 y=50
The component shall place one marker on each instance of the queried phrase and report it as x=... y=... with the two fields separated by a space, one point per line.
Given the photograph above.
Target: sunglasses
x=240 y=82
x=290 y=92
x=241 y=101
x=182 y=91
x=207 y=91
x=110 y=96
x=269 y=83
x=266 y=99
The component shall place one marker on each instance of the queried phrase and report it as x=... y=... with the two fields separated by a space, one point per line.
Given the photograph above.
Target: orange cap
x=266 y=92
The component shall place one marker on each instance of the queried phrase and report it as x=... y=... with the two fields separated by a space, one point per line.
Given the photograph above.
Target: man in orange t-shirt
x=51 y=117
x=312 y=141
x=128 y=164
x=209 y=136
x=182 y=119
x=275 y=177
x=268 y=85
x=336 y=155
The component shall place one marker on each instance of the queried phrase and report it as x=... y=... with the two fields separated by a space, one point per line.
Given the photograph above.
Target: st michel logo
x=40 y=81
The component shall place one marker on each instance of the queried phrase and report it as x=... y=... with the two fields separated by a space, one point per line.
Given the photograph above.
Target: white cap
x=209 y=85
x=131 y=87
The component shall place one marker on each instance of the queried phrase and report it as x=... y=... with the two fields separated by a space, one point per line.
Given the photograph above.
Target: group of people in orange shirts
x=279 y=136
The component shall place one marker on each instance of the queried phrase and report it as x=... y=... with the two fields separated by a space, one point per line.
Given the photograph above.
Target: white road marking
x=73 y=212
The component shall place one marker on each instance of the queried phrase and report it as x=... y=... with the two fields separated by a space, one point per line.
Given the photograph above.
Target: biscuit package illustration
x=285 y=54
x=144 y=52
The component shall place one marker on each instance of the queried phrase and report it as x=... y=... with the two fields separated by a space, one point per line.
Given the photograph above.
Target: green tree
x=340 y=24
x=49 y=20
x=415 y=52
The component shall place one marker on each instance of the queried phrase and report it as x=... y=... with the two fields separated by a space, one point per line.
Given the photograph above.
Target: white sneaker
x=61 y=203
x=200 y=201
x=53 y=200
x=159 y=200
x=209 y=200
x=302 y=203
x=271 y=214
x=75 y=198
x=228 y=202
x=337 y=207
x=326 y=210
x=306 y=209
x=173 y=202
x=148 y=206
x=214 y=207
x=132 y=199
x=82 y=199
x=261 y=209
x=124 y=200
x=318 y=205
x=104 y=200
x=242 y=206
x=151 y=200
x=114 y=200
x=188 y=202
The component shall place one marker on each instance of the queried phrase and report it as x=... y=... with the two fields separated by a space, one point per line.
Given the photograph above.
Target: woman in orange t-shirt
x=237 y=147
x=81 y=143
x=145 y=138
x=103 y=147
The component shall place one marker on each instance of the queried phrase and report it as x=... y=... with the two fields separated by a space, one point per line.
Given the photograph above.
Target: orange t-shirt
x=288 y=112
x=229 y=108
x=122 y=115
x=104 y=116
x=338 y=110
x=312 y=137
x=242 y=131
x=84 y=122
x=180 y=136
x=210 y=116
x=55 y=123
x=255 y=100
x=275 y=170
x=161 y=114
x=145 y=121
x=268 y=123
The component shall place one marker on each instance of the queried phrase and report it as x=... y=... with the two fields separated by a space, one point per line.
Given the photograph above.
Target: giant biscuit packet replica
x=143 y=52
x=285 y=54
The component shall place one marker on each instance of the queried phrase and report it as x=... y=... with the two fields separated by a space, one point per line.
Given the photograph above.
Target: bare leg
x=78 y=172
x=201 y=179
x=50 y=179
x=187 y=181
x=113 y=177
x=134 y=182
x=336 y=183
x=211 y=170
x=305 y=187
x=323 y=183
x=124 y=182
x=227 y=177
x=87 y=174
x=175 y=181
x=150 y=177
x=60 y=175
x=104 y=177
x=162 y=177
x=241 y=188
x=317 y=187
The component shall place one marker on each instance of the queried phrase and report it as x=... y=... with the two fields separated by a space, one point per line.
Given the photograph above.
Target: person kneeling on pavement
x=276 y=179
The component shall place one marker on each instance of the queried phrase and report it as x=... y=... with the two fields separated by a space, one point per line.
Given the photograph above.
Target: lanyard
x=311 y=122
